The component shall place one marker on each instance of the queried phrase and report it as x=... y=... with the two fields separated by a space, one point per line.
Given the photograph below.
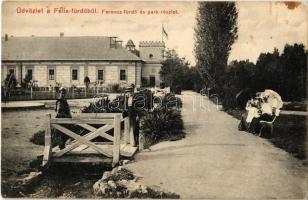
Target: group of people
x=264 y=107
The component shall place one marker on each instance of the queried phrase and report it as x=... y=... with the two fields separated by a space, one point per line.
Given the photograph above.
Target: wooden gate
x=82 y=148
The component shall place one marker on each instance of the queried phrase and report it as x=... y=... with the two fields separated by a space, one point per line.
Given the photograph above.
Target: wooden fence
x=118 y=144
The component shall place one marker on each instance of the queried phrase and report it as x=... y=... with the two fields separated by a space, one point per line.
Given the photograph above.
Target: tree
x=10 y=84
x=173 y=70
x=238 y=76
x=268 y=72
x=285 y=73
x=293 y=62
x=215 y=33
x=26 y=82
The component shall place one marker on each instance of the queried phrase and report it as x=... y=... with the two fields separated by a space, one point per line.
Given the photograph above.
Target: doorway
x=152 y=81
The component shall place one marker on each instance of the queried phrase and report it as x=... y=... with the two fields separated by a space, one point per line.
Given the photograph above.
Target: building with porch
x=68 y=60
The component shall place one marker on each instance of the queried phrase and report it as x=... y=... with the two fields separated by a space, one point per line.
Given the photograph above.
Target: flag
x=164 y=33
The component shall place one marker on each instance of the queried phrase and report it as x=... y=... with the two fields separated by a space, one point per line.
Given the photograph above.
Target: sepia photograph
x=151 y=99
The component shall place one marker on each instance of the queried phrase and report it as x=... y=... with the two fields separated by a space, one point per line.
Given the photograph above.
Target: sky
x=261 y=25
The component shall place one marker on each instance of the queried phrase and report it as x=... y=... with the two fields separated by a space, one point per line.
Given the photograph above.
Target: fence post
x=48 y=144
x=141 y=140
x=116 y=140
x=131 y=135
x=31 y=91
x=126 y=130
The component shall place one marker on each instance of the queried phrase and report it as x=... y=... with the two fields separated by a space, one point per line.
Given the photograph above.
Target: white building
x=68 y=60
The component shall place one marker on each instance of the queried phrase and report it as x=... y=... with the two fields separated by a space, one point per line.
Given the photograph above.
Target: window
x=122 y=75
x=29 y=73
x=100 y=75
x=51 y=74
x=74 y=74
x=151 y=56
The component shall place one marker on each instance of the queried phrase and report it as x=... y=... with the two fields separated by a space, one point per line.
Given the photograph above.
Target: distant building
x=68 y=60
x=151 y=54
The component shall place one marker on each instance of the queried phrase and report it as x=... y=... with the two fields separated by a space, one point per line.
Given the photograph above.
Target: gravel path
x=215 y=160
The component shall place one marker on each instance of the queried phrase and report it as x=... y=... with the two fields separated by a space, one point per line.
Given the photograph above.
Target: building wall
x=63 y=73
x=111 y=74
x=92 y=73
x=131 y=74
x=138 y=75
x=152 y=51
x=151 y=70
x=81 y=75
x=4 y=72
x=40 y=74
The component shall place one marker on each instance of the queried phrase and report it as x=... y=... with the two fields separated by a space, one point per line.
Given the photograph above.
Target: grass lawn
x=289 y=133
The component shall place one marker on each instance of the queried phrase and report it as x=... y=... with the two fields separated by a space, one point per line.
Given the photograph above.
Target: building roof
x=63 y=49
x=130 y=43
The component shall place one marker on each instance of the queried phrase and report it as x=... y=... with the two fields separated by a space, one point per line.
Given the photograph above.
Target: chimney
x=118 y=43
x=113 y=42
x=6 y=37
x=61 y=34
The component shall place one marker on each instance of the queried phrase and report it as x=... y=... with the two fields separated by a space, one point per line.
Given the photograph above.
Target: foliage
x=285 y=73
x=38 y=138
x=162 y=124
x=177 y=73
x=10 y=82
x=26 y=82
x=293 y=72
x=238 y=76
x=104 y=105
x=122 y=174
x=142 y=100
x=173 y=70
x=215 y=32
x=170 y=101
x=115 y=88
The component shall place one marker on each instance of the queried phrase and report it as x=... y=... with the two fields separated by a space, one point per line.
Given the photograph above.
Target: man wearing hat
x=63 y=111
x=132 y=114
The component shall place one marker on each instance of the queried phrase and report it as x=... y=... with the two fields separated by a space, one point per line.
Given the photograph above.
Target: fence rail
x=49 y=94
x=83 y=144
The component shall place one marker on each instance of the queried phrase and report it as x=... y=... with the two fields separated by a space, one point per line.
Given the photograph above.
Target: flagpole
x=162 y=37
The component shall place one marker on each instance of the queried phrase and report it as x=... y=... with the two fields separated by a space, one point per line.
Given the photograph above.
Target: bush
x=177 y=89
x=38 y=138
x=104 y=105
x=142 y=100
x=115 y=88
x=162 y=124
x=171 y=101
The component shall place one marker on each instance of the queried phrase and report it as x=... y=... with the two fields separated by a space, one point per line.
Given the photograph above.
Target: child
x=63 y=111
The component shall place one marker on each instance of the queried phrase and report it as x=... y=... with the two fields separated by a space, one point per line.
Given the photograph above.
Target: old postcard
x=175 y=99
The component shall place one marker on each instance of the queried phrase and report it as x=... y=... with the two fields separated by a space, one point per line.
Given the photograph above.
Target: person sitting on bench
x=267 y=112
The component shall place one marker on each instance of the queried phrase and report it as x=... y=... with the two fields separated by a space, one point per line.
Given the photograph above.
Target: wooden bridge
x=99 y=144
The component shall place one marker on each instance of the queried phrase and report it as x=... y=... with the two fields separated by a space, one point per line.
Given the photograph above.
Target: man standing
x=132 y=114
